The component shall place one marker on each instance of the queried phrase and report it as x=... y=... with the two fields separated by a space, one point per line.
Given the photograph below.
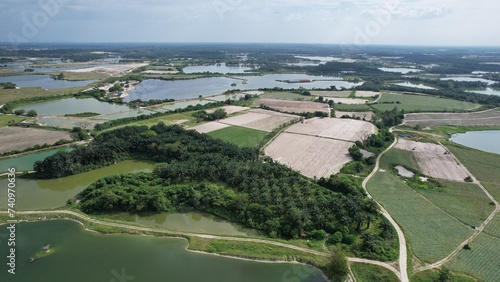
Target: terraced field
x=431 y=231
x=481 y=261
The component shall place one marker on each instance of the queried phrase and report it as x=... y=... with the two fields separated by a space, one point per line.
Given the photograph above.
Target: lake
x=189 y=89
x=400 y=70
x=187 y=222
x=43 y=81
x=77 y=255
x=52 y=193
x=466 y=78
x=218 y=68
x=25 y=163
x=409 y=84
x=486 y=140
x=487 y=91
x=74 y=106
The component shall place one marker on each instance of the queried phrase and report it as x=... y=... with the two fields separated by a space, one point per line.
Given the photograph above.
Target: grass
x=399 y=157
x=421 y=103
x=8 y=95
x=433 y=275
x=432 y=233
x=286 y=95
x=372 y=273
x=449 y=129
x=243 y=137
x=168 y=119
x=484 y=166
x=481 y=260
x=254 y=250
x=7 y=119
x=75 y=76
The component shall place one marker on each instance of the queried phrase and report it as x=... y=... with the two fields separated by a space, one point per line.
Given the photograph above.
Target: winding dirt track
x=402 y=273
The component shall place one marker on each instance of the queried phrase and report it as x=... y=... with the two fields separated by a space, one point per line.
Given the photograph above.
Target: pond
x=487 y=91
x=187 y=222
x=43 y=81
x=25 y=163
x=409 y=84
x=74 y=106
x=48 y=194
x=486 y=140
x=188 y=89
x=81 y=256
x=465 y=78
x=219 y=68
x=400 y=70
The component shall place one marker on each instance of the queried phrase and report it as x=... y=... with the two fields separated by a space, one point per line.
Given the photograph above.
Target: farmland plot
x=366 y=93
x=481 y=260
x=349 y=101
x=337 y=94
x=342 y=129
x=434 y=160
x=489 y=117
x=293 y=106
x=209 y=127
x=312 y=156
x=260 y=120
x=15 y=138
x=361 y=115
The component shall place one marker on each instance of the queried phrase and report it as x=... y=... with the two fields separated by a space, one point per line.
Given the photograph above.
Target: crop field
x=434 y=160
x=230 y=109
x=293 y=106
x=312 y=156
x=240 y=136
x=399 y=157
x=481 y=261
x=349 y=101
x=493 y=228
x=16 y=138
x=335 y=128
x=361 y=115
x=285 y=95
x=464 y=201
x=209 y=127
x=421 y=103
x=432 y=233
x=5 y=119
x=484 y=166
x=369 y=273
x=366 y=93
x=260 y=120
x=336 y=94
x=353 y=108
x=489 y=117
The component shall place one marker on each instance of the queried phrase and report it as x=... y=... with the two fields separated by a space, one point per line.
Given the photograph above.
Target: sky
x=399 y=22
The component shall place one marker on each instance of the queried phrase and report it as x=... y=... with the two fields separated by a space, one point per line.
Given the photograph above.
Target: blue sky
x=403 y=22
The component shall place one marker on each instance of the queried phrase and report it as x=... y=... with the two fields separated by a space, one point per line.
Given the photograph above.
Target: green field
x=353 y=108
x=8 y=95
x=464 y=201
x=5 y=119
x=493 y=227
x=372 y=273
x=177 y=118
x=432 y=232
x=421 y=103
x=243 y=137
x=484 y=166
x=481 y=261
x=286 y=95
x=399 y=157
x=433 y=275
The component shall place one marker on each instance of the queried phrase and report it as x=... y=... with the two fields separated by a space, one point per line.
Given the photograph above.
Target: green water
x=53 y=193
x=25 y=163
x=77 y=255
x=187 y=222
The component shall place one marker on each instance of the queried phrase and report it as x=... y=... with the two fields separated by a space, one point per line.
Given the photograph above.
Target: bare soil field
x=366 y=93
x=337 y=94
x=361 y=115
x=16 y=138
x=312 y=156
x=349 y=101
x=231 y=109
x=293 y=106
x=335 y=128
x=209 y=127
x=489 y=117
x=434 y=160
x=111 y=69
x=259 y=119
